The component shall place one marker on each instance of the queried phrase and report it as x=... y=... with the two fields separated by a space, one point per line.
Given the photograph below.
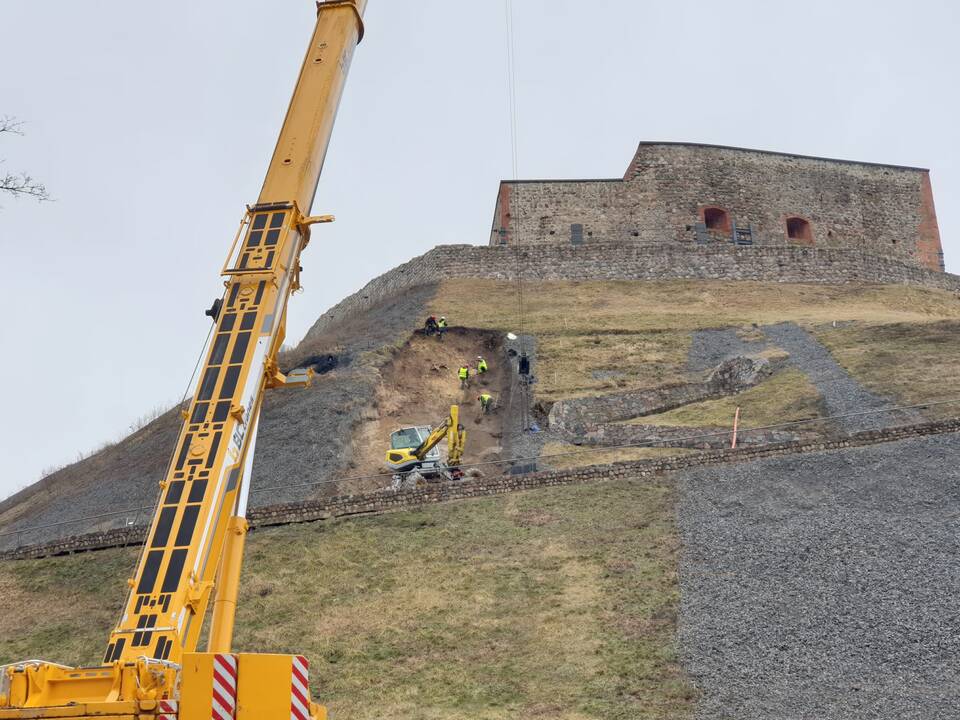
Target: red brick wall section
x=928 y=234
x=501 y=215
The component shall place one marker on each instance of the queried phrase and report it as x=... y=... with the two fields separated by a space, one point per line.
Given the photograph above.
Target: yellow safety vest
x=463 y=373
x=482 y=366
x=441 y=323
x=485 y=399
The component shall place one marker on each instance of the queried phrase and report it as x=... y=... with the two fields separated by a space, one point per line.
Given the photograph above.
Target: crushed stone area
x=824 y=586
x=521 y=414
x=709 y=348
x=841 y=393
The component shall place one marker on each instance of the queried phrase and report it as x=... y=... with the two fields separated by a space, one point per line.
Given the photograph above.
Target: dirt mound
x=418 y=386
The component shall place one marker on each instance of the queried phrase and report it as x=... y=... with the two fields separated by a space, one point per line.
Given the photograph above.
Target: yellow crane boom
x=194 y=545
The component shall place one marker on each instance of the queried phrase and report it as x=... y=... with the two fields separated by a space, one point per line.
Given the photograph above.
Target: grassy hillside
x=913 y=362
x=785 y=397
x=555 y=604
x=641 y=330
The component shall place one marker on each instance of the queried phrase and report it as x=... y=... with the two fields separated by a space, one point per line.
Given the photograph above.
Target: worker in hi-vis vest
x=486 y=402
x=464 y=374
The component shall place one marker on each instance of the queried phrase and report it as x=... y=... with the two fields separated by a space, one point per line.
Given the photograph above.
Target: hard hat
x=443 y=317
x=479 y=357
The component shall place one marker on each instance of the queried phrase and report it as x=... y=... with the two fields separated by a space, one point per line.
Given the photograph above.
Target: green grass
x=565 y=456
x=586 y=365
x=600 y=337
x=62 y=609
x=785 y=397
x=559 y=603
x=910 y=362
x=581 y=308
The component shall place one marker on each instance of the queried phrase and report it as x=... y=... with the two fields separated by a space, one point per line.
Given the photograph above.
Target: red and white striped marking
x=224 y=687
x=167 y=710
x=300 y=689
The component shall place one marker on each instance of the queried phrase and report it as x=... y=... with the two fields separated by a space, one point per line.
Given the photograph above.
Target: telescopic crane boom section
x=195 y=542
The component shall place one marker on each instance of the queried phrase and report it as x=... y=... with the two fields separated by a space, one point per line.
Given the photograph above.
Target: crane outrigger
x=152 y=668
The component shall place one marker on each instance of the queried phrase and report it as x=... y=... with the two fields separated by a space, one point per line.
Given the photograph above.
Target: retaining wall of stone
x=389 y=501
x=631 y=261
x=574 y=418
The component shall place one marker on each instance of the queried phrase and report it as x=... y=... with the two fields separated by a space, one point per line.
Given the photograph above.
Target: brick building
x=704 y=194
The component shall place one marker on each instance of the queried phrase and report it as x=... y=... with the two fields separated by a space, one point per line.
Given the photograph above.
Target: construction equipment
x=194 y=546
x=414 y=451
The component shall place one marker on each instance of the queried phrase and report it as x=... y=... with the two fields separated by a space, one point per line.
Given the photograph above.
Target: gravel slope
x=709 y=348
x=841 y=393
x=825 y=586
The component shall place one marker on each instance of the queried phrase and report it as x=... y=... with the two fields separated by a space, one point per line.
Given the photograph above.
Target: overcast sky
x=152 y=125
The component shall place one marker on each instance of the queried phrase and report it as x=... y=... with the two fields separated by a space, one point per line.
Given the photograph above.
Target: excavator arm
x=405 y=458
x=453 y=431
x=194 y=544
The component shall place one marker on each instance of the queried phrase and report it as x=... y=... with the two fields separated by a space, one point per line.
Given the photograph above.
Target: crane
x=152 y=668
x=414 y=449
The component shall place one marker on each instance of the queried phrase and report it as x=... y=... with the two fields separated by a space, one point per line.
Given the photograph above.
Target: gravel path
x=709 y=348
x=825 y=586
x=518 y=442
x=841 y=393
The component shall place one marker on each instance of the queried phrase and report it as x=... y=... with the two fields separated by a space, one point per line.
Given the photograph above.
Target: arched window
x=716 y=219
x=799 y=229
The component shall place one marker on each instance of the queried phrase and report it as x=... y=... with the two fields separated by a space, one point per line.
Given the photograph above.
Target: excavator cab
x=415 y=453
x=403 y=445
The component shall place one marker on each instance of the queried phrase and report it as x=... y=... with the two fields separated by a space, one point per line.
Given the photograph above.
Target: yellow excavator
x=414 y=451
x=152 y=669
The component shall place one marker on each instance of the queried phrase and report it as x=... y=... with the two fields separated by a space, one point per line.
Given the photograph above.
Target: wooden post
x=736 y=423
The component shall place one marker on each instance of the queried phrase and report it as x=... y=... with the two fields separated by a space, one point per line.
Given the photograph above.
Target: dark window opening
x=716 y=219
x=799 y=229
x=576 y=234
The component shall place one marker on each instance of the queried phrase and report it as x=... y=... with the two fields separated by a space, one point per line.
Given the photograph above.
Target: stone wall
x=632 y=261
x=388 y=501
x=573 y=418
x=668 y=187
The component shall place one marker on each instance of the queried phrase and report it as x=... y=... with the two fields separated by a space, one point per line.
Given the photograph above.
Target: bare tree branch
x=19 y=184
x=23 y=185
x=9 y=124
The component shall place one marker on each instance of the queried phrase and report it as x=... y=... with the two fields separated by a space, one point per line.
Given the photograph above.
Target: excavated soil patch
x=418 y=386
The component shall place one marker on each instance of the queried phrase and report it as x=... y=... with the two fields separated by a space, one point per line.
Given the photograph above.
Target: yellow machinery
x=414 y=450
x=192 y=556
